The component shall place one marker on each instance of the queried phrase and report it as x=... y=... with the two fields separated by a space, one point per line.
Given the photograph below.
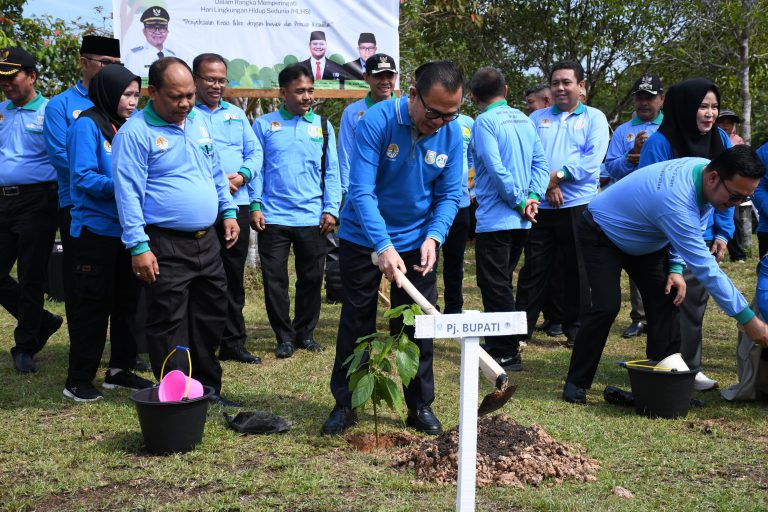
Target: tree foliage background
x=616 y=41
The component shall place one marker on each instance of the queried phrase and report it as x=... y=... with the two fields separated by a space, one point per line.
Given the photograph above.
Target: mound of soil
x=507 y=454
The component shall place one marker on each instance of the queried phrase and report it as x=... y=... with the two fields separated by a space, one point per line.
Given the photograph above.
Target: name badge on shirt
x=35 y=126
x=315 y=133
x=231 y=117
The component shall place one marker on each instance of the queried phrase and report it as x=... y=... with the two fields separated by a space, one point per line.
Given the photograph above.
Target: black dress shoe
x=636 y=328
x=310 y=345
x=618 y=396
x=240 y=355
x=220 y=400
x=50 y=324
x=284 y=350
x=574 y=394
x=555 y=330
x=341 y=419
x=23 y=362
x=140 y=365
x=511 y=363
x=424 y=420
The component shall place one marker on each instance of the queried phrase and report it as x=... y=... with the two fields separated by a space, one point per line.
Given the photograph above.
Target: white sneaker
x=703 y=383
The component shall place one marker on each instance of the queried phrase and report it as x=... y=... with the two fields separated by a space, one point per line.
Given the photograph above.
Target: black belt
x=194 y=235
x=16 y=190
x=588 y=217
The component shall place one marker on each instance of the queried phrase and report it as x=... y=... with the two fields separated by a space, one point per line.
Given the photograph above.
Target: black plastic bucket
x=660 y=393
x=171 y=427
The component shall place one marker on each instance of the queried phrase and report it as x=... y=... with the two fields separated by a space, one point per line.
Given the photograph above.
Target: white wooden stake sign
x=469 y=327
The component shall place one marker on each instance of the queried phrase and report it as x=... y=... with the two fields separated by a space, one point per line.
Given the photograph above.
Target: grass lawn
x=56 y=455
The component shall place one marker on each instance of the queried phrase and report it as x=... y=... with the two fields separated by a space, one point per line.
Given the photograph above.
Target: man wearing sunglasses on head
x=649 y=224
x=404 y=190
x=138 y=59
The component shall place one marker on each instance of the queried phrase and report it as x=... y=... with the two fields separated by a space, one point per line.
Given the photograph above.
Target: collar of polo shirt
x=579 y=110
x=308 y=117
x=30 y=105
x=153 y=119
x=495 y=104
x=698 y=183
x=636 y=120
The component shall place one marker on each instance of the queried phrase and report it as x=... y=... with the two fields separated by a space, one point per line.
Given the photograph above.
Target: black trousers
x=309 y=250
x=554 y=294
x=604 y=262
x=736 y=243
x=553 y=236
x=360 y=279
x=187 y=305
x=692 y=320
x=762 y=243
x=497 y=254
x=453 y=261
x=234 y=268
x=27 y=230
x=104 y=293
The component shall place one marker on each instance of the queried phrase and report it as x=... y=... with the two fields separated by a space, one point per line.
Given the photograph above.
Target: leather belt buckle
x=10 y=191
x=200 y=233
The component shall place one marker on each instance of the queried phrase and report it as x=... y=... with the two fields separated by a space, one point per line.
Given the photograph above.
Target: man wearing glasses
x=366 y=47
x=649 y=224
x=404 y=190
x=241 y=157
x=155 y=20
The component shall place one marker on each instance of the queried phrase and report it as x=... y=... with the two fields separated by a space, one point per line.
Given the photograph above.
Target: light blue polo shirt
x=403 y=187
x=23 y=160
x=349 y=119
x=466 y=124
x=167 y=175
x=575 y=142
x=760 y=199
x=510 y=167
x=239 y=149
x=60 y=114
x=622 y=142
x=662 y=205
x=288 y=188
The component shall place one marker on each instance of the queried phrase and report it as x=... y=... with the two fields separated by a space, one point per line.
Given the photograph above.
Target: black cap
x=155 y=15
x=14 y=59
x=366 y=37
x=98 y=45
x=380 y=63
x=649 y=84
x=729 y=113
x=317 y=35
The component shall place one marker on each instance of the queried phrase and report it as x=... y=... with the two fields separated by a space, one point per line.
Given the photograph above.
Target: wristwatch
x=560 y=175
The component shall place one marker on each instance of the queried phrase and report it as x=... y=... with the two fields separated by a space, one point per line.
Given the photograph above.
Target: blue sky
x=69 y=9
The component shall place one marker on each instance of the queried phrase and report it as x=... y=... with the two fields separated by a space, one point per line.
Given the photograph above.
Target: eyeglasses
x=210 y=80
x=367 y=48
x=157 y=28
x=103 y=62
x=734 y=198
x=431 y=113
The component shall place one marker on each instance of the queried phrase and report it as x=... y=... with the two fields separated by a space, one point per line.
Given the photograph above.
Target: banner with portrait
x=261 y=37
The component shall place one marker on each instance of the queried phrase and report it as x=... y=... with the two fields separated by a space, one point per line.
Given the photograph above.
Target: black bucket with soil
x=171 y=427
x=660 y=393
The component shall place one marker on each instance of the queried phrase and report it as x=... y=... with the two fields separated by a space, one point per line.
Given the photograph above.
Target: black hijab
x=679 y=125
x=105 y=90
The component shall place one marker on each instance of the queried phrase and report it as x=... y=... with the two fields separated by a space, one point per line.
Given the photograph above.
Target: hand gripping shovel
x=494 y=373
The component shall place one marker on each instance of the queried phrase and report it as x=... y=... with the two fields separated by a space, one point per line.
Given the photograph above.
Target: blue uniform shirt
x=466 y=124
x=622 y=142
x=349 y=119
x=657 y=149
x=663 y=205
x=288 y=186
x=404 y=187
x=575 y=142
x=239 y=149
x=510 y=167
x=760 y=199
x=60 y=114
x=23 y=160
x=92 y=189
x=167 y=175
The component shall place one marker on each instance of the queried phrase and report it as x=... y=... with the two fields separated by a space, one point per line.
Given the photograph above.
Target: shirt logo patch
x=466 y=132
x=441 y=160
x=360 y=114
x=274 y=126
x=579 y=124
x=315 y=132
x=107 y=146
x=76 y=113
x=430 y=157
x=630 y=137
x=392 y=151
x=204 y=132
x=545 y=123
x=162 y=143
x=231 y=117
x=2 y=118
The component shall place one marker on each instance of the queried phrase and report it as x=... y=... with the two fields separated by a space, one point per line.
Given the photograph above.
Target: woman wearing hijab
x=105 y=290
x=689 y=130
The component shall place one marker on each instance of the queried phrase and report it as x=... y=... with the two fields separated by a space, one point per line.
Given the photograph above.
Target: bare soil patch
x=507 y=454
x=367 y=442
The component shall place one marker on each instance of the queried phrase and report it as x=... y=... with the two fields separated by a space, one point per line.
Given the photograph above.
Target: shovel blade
x=496 y=400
